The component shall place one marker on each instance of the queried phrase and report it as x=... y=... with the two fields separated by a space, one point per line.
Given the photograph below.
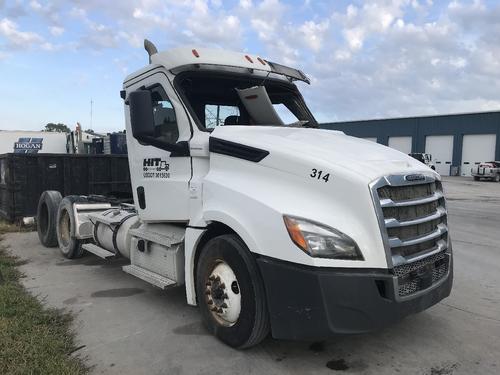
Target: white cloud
x=56 y=30
x=35 y=5
x=313 y=33
x=16 y=37
x=246 y=4
x=374 y=59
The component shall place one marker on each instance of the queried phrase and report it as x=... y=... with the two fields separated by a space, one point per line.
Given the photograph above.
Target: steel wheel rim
x=222 y=294
x=65 y=228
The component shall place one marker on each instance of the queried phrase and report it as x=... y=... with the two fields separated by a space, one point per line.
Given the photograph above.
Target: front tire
x=476 y=178
x=231 y=293
x=497 y=178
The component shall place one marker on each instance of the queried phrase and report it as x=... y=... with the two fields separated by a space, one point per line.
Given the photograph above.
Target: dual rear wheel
x=56 y=223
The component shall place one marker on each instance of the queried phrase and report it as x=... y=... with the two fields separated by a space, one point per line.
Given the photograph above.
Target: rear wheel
x=70 y=246
x=46 y=217
x=476 y=178
x=231 y=293
x=497 y=178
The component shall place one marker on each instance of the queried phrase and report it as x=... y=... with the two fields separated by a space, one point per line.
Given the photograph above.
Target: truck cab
x=269 y=222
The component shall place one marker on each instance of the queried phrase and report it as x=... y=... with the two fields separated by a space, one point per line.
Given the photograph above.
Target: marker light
x=249 y=58
x=195 y=53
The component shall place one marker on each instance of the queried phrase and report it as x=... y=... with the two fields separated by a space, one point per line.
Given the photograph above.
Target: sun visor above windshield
x=259 y=106
x=289 y=72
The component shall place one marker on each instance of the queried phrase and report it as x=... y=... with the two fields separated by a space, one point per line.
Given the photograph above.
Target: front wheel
x=497 y=178
x=476 y=178
x=231 y=293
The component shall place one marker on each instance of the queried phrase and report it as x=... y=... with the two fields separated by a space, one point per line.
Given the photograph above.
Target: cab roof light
x=249 y=58
x=195 y=53
x=261 y=61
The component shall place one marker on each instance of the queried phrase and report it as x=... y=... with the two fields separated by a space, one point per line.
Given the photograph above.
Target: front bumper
x=310 y=303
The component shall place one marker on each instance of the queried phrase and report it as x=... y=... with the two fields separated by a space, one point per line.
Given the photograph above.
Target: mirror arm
x=176 y=149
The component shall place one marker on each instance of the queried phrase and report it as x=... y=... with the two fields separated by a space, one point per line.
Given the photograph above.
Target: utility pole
x=91 y=105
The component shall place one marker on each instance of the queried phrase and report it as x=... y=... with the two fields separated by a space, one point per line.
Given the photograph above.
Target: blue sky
x=367 y=59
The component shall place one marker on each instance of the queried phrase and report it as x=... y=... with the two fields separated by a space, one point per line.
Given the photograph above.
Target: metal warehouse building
x=456 y=142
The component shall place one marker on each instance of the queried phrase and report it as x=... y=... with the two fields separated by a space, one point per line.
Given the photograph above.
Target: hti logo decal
x=155 y=164
x=28 y=145
x=155 y=168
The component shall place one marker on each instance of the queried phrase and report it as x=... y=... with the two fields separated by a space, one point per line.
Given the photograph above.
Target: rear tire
x=70 y=246
x=241 y=319
x=476 y=178
x=46 y=217
x=497 y=178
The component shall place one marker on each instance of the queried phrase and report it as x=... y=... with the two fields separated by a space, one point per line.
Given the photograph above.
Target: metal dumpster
x=23 y=177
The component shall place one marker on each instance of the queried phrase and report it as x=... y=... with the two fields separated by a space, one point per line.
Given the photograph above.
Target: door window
x=166 y=129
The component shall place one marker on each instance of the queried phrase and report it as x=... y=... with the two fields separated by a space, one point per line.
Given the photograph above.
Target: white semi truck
x=270 y=227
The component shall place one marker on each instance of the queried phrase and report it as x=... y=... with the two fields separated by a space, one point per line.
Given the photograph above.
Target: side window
x=166 y=129
x=284 y=113
x=216 y=115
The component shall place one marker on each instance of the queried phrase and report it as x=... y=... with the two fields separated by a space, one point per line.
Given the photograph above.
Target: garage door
x=402 y=144
x=441 y=149
x=477 y=148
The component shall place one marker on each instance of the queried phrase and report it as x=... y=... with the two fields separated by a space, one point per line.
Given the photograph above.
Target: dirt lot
x=129 y=327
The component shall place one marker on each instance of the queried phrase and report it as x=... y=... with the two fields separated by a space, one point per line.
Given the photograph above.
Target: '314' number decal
x=319 y=175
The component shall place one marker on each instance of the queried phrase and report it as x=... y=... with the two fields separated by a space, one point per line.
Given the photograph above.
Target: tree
x=60 y=128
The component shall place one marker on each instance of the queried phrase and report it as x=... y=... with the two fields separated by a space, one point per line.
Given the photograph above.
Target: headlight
x=320 y=241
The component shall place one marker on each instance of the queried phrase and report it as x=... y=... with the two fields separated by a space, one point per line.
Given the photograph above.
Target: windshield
x=222 y=99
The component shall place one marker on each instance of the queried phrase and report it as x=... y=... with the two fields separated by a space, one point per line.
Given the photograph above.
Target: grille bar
x=387 y=202
x=396 y=242
x=393 y=223
x=399 y=259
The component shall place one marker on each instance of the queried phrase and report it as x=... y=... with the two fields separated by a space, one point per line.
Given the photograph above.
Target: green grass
x=33 y=339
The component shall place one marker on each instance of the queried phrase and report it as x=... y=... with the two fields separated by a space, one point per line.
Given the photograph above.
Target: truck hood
x=330 y=148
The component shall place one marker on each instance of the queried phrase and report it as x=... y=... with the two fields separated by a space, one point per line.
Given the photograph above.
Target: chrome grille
x=410 y=278
x=413 y=221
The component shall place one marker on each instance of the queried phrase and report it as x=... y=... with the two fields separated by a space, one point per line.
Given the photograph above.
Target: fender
x=192 y=240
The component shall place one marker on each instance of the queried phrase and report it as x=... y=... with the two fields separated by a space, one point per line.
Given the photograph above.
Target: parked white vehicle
x=489 y=170
x=270 y=227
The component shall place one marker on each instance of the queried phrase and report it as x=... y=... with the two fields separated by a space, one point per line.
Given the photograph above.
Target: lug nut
x=210 y=302
x=225 y=296
x=224 y=305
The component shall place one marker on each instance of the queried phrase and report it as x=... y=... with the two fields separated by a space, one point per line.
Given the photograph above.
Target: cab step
x=97 y=250
x=153 y=278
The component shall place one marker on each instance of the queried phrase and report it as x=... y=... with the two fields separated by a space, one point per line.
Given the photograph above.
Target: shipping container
x=23 y=177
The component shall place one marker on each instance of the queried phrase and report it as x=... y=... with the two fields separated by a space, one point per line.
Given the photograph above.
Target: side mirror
x=141 y=114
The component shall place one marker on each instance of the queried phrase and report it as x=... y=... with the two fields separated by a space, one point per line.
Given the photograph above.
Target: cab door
x=160 y=179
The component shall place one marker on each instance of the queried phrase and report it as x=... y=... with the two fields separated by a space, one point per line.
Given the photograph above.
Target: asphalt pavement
x=126 y=326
